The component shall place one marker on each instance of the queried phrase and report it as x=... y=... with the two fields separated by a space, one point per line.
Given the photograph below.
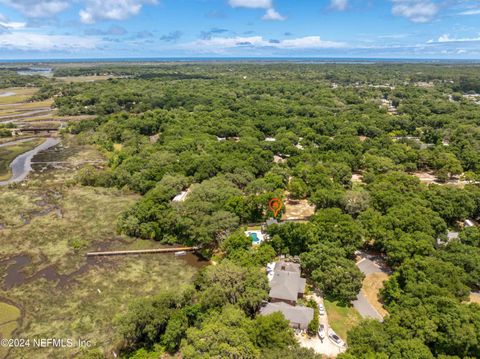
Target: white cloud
x=92 y=11
x=339 y=5
x=446 y=38
x=12 y=25
x=37 y=8
x=419 y=11
x=471 y=12
x=272 y=14
x=111 y=9
x=252 y=4
x=39 y=42
x=5 y=24
x=308 y=42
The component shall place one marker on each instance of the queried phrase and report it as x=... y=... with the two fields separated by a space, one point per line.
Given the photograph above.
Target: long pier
x=142 y=251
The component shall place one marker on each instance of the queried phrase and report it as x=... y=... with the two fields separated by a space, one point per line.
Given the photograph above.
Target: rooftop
x=286 y=285
x=300 y=315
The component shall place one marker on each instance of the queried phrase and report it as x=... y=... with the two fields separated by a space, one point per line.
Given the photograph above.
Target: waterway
x=22 y=165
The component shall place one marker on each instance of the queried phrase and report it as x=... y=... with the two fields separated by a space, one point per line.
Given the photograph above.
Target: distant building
x=469 y=223
x=271 y=221
x=182 y=196
x=451 y=236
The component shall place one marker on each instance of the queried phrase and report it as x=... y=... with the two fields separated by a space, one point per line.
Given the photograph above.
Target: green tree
x=229 y=283
x=220 y=335
x=174 y=332
x=146 y=319
x=272 y=331
x=297 y=188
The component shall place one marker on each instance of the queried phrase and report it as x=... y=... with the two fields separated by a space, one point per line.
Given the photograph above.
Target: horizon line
x=240 y=58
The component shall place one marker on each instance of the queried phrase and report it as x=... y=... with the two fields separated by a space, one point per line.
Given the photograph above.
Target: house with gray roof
x=298 y=316
x=287 y=266
x=286 y=287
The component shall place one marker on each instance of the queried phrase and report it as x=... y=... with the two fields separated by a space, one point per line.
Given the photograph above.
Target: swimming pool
x=254 y=237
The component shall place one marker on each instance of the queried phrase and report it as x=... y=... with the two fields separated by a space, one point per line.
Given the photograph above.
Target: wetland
x=48 y=287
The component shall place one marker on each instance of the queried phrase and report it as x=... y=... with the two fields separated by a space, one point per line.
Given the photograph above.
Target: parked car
x=321 y=332
x=335 y=338
x=321 y=309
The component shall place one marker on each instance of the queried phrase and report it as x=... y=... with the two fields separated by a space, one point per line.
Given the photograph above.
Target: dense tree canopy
x=389 y=154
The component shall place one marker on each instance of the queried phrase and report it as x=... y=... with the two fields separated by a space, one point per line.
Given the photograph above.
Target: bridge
x=36 y=129
x=143 y=251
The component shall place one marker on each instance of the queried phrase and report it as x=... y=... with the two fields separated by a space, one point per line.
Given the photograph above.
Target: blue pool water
x=254 y=237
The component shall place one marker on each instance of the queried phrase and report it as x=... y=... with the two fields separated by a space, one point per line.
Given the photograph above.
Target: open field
x=341 y=318
x=9 y=153
x=47 y=224
x=297 y=209
x=91 y=78
x=19 y=94
x=23 y=106
x=372 y=284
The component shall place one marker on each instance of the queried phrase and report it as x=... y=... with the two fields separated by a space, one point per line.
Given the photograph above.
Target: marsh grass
x=80 y=219
x=9 y=315
x=20 y=94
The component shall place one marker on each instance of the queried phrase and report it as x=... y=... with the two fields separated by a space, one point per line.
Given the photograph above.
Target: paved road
x=365 y=309
x=368 y=265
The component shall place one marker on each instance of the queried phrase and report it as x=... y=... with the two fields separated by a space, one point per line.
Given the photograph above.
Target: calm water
x=22 y=165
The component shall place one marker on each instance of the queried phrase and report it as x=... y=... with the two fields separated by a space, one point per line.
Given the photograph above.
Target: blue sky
x=247 y=28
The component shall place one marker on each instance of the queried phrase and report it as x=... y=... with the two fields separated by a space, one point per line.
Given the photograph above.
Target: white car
x=321 y=332
x=335 y=338
x=321 y=309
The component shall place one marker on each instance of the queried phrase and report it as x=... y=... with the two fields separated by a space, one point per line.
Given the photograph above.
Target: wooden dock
x=142 y=251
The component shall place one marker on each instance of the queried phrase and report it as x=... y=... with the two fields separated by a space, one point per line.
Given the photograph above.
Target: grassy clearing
x=372 y=284
x=9 y=153
x=91 y=78
x=297 y=208
x=20 y=94
x=341 y=318
x=25 y=106
x=9 y=315
x=475 y=298
x=65 y=222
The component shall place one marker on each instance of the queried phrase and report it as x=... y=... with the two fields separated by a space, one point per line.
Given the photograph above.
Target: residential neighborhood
x=287 y=290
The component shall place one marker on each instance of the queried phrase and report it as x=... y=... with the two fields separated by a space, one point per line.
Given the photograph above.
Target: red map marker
x=275 y=205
